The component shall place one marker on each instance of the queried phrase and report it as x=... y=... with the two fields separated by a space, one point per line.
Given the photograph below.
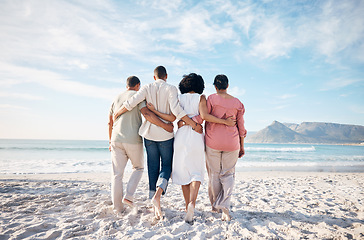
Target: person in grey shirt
x=158 y=142
x=125 y=143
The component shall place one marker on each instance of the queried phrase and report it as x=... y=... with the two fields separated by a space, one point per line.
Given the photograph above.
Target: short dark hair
x=221 y=82
x=192 y=82
x=132 y=81
x=160 y=72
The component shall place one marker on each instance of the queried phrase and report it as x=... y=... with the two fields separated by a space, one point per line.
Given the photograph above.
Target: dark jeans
x=159 y=162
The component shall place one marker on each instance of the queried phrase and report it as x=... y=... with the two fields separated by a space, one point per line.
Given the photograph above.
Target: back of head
x=192 y=82
x=221 y=82
x=160 y=72
x=132 y=81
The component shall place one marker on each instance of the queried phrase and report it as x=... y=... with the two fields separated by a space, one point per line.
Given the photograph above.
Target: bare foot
x=157 y=208
x=225 y=215
x=128 y=202
x=190 y=213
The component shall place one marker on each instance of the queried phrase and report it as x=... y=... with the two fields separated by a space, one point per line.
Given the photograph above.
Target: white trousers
x=120 y=153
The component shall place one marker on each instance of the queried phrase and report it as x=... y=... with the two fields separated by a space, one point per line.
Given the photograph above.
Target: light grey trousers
x=120 y=153
x=221 y=171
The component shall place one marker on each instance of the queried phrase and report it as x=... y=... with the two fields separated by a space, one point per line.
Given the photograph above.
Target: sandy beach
x=265 y=205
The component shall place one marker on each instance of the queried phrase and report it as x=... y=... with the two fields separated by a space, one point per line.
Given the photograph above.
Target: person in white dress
x=189 y=147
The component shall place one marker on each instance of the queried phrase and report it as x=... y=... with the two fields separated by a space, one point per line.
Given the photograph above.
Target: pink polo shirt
x=219 y=136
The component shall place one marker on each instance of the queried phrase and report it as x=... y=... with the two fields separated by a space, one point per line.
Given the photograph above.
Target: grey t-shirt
x=126 y=127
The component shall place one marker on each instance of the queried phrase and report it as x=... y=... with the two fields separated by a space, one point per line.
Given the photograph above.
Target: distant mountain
x=308 y=132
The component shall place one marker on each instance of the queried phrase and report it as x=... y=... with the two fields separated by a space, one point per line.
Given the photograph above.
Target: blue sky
x=63 y=62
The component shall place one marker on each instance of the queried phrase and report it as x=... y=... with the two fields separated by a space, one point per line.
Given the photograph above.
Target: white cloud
x=167 y=6
x=241 y=13
x=20 y=96
x=83 y=35
x=61 y=31
x=339 y=27
x=333 y=29
x=272 y=40
x=236 y=91
x=339 y=83
x=53 y=81
x=12 y=107
x=195 y=30
x=280 y=107
x=287 y=96
x=78 y=64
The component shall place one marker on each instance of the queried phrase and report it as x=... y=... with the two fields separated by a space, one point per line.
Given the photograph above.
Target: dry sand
x=265 y=205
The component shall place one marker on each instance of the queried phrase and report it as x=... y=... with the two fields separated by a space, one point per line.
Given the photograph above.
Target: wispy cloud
x=339 y=27
x=339 y=83
x=20 y=96
x=65 y=32
x=236 y=91
x=86 y=35
x=280 y=107
x=195 y=30
x=286 y=96
x=167 y=6
x=272 y=39
x=52 y=80
x=12 y=107
x=327 y=28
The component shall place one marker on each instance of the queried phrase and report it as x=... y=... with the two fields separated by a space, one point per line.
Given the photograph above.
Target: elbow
x=204 y=117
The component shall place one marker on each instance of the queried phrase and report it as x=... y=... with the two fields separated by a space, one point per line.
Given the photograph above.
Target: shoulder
x=167 y=85
x=121 y=96
x=127 y=94
x=238 y=103
x=170 y=88
x=212 y=98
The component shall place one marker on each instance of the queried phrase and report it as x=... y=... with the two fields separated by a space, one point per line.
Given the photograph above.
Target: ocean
x=72 y=156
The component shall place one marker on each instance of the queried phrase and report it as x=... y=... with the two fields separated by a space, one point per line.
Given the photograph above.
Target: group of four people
x=178 y=156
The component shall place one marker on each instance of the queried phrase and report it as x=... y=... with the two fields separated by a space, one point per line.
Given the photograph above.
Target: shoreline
x=265 y=205
x=297 y=143
x=105 y=140
x=105 y=176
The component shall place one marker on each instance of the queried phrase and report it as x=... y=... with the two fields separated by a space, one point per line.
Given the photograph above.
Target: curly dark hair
x=192 y=82
x=221 y=82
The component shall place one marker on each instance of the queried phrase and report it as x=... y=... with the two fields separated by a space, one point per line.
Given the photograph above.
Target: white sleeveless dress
x=189 y=147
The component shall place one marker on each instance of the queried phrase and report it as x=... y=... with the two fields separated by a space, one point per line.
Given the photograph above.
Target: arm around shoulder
x=205 y=115
x=136 y=99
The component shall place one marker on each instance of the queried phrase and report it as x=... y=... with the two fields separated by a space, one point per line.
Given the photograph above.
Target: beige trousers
x=221 y=171
x=120 y=153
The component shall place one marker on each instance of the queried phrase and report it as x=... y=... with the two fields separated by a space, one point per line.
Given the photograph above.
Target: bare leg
x=186 y=193
x=156 y=201
x=193 y=188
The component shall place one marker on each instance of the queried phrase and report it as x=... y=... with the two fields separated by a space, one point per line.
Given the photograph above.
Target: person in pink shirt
x=224 y=145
